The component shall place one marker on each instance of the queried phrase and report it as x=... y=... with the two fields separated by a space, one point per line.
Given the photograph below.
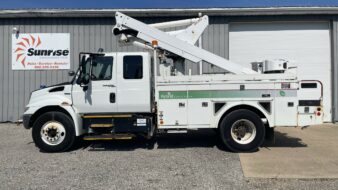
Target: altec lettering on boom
x=42 y=52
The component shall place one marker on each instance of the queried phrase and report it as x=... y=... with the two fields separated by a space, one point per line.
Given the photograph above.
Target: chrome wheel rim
x=243 y=131
x=53 y=133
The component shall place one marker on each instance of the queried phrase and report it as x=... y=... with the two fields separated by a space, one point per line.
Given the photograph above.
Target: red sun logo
x=23 y=45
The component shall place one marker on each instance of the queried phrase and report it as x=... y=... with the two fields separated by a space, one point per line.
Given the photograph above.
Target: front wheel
x=242 y=131
x=53 y=132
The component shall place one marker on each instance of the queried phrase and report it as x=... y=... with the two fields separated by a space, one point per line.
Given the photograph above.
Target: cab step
x=177 y=131
x=101 y=125
x=108 y=137
x=106 y=116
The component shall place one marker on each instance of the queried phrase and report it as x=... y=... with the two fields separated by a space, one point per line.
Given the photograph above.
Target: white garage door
x=306 y=44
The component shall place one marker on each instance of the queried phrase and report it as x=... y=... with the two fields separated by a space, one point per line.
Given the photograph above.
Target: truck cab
x=109 y=92
x=113 y=83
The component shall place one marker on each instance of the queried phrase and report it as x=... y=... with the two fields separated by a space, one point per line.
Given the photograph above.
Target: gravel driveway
x=180 y=161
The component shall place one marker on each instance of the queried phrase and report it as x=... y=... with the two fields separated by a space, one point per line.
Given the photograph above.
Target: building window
x=102 y=68
x=132 y=67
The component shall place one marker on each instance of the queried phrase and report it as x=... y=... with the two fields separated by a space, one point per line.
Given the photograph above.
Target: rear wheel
x=242 y=131
x=53 y=132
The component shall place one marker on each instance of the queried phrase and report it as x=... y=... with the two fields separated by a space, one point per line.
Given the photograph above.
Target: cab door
x=99 y=95
x=133 y=81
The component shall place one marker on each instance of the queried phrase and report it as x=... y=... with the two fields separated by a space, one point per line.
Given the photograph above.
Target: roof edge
x=168 y=12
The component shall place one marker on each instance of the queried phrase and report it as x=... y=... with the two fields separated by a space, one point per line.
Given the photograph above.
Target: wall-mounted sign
x=40 y=51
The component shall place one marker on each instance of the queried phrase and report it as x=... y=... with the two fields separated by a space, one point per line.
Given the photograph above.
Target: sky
x=31 y=4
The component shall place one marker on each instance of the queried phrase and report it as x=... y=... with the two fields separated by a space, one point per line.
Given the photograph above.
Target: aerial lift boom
x=176 y=44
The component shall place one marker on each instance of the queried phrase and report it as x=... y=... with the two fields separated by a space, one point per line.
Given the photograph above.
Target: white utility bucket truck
x=119 y=95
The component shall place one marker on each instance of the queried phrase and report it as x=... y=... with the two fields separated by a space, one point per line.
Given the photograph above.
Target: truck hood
x=59 y=91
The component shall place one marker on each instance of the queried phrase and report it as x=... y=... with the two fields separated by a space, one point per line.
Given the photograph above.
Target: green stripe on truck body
x=195 y=94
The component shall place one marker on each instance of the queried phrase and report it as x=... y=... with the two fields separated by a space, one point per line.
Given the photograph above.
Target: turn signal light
x=154 y=43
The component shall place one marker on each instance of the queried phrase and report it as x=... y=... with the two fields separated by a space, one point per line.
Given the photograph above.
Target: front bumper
x=26 y=120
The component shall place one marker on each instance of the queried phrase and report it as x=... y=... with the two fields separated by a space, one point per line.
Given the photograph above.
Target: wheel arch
x=66 y=110
x=252 y=108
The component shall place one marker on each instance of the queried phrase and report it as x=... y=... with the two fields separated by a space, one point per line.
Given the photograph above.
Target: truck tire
x=242 y=131
x=53 y=132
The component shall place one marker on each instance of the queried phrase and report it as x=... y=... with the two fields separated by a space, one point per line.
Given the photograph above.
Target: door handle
x=112 y=97
x=108 y=85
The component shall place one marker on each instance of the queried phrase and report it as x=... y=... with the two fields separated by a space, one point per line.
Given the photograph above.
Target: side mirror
x=85 y=79
x=71 y=73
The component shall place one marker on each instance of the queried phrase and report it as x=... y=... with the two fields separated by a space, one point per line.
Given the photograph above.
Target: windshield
x=84 y=70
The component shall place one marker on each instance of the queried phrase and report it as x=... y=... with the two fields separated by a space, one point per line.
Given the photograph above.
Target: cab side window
x=133 y=67
x=102 y=68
